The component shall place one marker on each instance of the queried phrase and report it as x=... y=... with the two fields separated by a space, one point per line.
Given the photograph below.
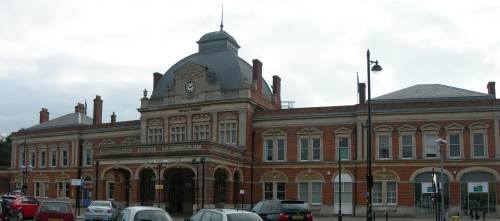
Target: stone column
x=135 y=192
x=189 y=127
x=242 y=128
x=144 y=128
x=166 y=130
x=214 y=126
x=359 y=140
x=496 y=131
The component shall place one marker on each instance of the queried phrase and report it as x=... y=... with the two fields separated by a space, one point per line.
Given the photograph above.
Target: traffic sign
x=158 y=187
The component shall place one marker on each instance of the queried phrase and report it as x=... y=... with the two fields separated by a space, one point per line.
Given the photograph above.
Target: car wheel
x=20 y=216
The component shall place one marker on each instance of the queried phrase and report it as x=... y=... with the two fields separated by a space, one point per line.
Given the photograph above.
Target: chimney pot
x=491 y=88
x=113 y=118
x=277 y=90
x=97 y=117
x=257 y=74
x=156 y=79
x=80 y=108
x=44 y=115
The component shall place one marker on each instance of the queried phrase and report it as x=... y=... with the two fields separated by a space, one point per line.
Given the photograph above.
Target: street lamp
x=159 y=165
x=201 y=161
x=441 y=142
x=340 y=186
x=196 y=192
x=369 y=178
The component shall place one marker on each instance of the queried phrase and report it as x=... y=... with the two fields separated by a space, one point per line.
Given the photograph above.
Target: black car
x=283 y=210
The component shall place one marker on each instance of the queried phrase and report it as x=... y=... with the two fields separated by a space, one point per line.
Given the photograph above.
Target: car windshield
x=100 y=203
x=243 y=217
x=294 y=205
x=151 y=215
x=55 y=207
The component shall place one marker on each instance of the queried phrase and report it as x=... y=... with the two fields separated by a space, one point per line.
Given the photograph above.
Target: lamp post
x=159 y=165
x=441 y=142
x=369 y=178
x=340 y=187
x=196 y=192
x=203 y=161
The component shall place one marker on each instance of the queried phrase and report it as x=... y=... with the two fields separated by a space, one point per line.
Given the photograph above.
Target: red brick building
x=214 y=133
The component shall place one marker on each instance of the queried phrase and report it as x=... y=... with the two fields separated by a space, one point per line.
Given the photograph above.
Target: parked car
x=224 y=215
x=283 y=210
x=24 y=207
x=101 y=210
x=54 y=211
x=143 y=213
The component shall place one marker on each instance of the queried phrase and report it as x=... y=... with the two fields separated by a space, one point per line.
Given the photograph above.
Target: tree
x=5 y=150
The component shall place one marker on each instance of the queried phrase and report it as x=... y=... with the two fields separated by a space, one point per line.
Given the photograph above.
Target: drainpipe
x=252 y=165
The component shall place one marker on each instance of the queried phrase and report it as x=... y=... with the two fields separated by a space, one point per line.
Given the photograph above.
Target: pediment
x=430 y=127
x=455 y=126
x=310 y=130
x=190 y=71
x=383 y=128
x=407 y=128
x=155 y=122
x=310 y=176
x=343 y=130
x=274 y=132
x=274 y=176
x=177 y=120
x=201 y=117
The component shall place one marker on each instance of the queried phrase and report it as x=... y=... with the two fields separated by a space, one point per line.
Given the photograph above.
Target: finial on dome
x=222 y=18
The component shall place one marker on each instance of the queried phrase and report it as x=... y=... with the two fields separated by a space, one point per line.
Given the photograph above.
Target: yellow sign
x=158 y=187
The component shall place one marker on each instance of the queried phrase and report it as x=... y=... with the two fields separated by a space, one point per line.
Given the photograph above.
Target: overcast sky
x=54 y=54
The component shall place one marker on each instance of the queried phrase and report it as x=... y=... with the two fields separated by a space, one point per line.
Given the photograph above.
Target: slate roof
x=216 y=36
x=72 y=119
x=432 y=92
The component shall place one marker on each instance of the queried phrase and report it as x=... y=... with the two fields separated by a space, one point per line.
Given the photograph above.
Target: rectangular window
x=178 y=133
x=316 y=149
x=22 y=156
x=303 y=191
x=478 y=144
x=155 y=135
x=430 y=146
x=53 y=158
x=454 y=145
x=280 y=190
x=377 y=193
x=407 y=146
x=227 y=132
x=269 y=150
x=343 y=148
x=383 y=147
x=64 y=155
x=268 y=190
x=281 y=149
x=63 y=189
x=41 y=189
x=304 y=149
x=32 y=158
x=43 y=158
x=202 y=132
x=111 y=190
x=391 y=193
x=316 y=193
x=87 y=157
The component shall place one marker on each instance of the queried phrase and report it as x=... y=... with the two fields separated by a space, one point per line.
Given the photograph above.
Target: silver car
x=101 y=210
x=143 y=213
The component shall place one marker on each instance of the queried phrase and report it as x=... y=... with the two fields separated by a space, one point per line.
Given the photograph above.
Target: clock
x=189 y=87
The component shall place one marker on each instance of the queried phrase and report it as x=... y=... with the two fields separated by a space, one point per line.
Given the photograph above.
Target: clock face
x=189 y=87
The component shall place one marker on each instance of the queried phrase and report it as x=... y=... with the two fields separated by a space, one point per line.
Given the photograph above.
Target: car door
x=29 y=206
x=266 y=210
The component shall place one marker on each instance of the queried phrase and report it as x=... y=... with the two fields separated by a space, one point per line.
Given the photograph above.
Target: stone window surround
x=430 y=130
x=407 y=130
x=343 y=133
x=64 y=147
x=478 y=128
x=310 y=134
x=453 y=129
x=274 y=135
x=43 y=148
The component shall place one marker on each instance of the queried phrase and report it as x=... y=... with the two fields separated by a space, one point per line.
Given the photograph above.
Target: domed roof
x=216 y=36
x=218 y=52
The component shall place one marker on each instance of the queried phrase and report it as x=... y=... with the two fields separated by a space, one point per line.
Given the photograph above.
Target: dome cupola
x=217 y=40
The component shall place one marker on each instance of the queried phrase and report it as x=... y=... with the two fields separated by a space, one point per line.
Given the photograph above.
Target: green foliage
x=5 y=150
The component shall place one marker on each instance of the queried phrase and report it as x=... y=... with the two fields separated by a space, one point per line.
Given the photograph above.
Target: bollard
x=484 y=214
x=386 y=216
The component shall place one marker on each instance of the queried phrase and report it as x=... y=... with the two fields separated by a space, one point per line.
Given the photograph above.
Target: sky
x=56 y=53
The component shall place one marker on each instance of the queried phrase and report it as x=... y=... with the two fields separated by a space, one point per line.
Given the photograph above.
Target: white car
x=101 y=210
x=143 y=213
x=224 y=215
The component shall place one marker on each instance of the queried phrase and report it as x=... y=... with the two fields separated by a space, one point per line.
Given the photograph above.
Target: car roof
x=55 y=201
x=139 y=208
x=227 y=211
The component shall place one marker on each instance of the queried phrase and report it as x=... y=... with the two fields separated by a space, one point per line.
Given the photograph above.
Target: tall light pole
x=196 y=192
x=340 y=187
x=369 y=178
x=441 y=142
x=159 y=164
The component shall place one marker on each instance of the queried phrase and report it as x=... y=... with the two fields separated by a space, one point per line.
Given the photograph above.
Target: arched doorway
x=148 y=181
x=117 y=186
x=178 y=191
x=424 y=192
x=478 y=192
x=220 y=187
x=87 y=191
x=345 y=193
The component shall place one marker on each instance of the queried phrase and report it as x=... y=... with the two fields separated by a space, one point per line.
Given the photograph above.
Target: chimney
x=97 y=110
x=113 y=118
x=362 y=93
x=257 y=74
x=44 y=115
x=80 y=108
x=156 y=78
x=277 y=90
x=491 y=88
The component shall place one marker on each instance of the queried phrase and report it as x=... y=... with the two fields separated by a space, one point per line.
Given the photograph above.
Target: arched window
x=310 y=187
x=274 y=185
